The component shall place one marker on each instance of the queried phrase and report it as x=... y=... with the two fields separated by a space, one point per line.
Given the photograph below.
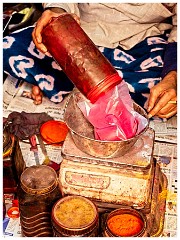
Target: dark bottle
x=13 y=162
x=10 y=178
x=79 y=58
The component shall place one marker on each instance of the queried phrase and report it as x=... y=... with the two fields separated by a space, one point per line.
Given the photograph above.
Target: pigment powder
x=54 y=132
x=75 y=216
x=125 y=225
x=75 y=213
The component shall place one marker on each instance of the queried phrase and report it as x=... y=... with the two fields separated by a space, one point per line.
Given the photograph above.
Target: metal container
x=139 y=158
x=83 y=132
x=154 y=219
x=125 y=222
x=78 y=57
x=37 y=192
x=107 y=186
x=110 y=181
x=75 y=216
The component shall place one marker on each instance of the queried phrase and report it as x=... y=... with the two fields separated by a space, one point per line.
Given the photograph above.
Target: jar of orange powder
x=125 y=222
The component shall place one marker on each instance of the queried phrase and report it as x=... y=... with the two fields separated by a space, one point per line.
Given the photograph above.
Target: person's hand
x=163 y=97
x=42 y=23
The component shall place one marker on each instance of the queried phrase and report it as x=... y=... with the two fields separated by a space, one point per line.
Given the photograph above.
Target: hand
x=163 y=97
x=42 y=23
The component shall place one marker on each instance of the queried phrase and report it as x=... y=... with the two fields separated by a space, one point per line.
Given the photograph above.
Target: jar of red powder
x=78 y=57
x=125 y=222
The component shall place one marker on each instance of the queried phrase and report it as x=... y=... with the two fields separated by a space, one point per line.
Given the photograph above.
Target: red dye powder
x=125 y=225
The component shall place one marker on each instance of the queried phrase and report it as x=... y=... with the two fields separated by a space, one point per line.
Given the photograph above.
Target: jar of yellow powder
x=75 y=216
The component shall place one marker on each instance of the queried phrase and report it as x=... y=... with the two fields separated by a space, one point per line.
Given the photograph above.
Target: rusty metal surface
x=37 y=193
x=155 y=217
x=34 y=179
x=105 y=184
x=138 y=158
x=83 y=132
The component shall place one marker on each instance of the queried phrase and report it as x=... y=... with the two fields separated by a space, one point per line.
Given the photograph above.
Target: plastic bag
x=113 y=116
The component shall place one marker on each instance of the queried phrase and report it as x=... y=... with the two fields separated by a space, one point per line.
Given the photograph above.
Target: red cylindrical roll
x=78 y=57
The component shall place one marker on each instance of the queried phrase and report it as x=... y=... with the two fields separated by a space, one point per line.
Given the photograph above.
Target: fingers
x=40 y=25
x=157 y=102
x=76 y=18
x=43 y=21
x=168 y=115
x=163 y=92
x=164 y=109
x=36 y=35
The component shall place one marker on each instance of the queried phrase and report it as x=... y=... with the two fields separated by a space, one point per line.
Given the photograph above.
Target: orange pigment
x=54 y=131
x=125 y=225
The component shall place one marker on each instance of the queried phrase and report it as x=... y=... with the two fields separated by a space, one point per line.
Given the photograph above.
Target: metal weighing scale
x=133 y=180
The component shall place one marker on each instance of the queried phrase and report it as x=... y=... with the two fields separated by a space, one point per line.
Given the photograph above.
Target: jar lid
x=105 y=85
x=74 y=216
x=54 y=132
x=38 y=179
x=125 y=222
x=13 y=212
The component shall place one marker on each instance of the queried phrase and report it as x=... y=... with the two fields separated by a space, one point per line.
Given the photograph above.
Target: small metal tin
x=75 y=216
x=37 y=192
x=130 y=223
x=34 y=180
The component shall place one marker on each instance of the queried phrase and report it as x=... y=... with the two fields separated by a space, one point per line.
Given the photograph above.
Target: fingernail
x=44 y=49
x=38 y=40
x=149 y=109
x=48 y=54
x=149 y=116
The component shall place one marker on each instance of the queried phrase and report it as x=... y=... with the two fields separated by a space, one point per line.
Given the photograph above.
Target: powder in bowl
x=75 y=216
x=125 y=223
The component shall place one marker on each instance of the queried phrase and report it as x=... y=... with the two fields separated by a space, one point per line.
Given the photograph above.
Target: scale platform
x=139 y=157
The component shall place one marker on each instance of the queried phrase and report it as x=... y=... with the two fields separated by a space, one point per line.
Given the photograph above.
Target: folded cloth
x=24 y=125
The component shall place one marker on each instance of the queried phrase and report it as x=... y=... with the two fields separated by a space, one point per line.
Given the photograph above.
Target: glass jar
x=37 y=192
x=125 y=222
x=79 y=58
x=75 y=216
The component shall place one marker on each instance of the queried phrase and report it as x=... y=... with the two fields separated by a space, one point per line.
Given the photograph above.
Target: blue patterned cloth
x=140 y=66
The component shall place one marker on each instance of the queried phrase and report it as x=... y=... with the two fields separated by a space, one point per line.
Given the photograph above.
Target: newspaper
x=18 y=98
x=15 y=98
x=166 y=155
x=165 y=152
x=53 y=152
x=10 y=89
x=165 y=131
